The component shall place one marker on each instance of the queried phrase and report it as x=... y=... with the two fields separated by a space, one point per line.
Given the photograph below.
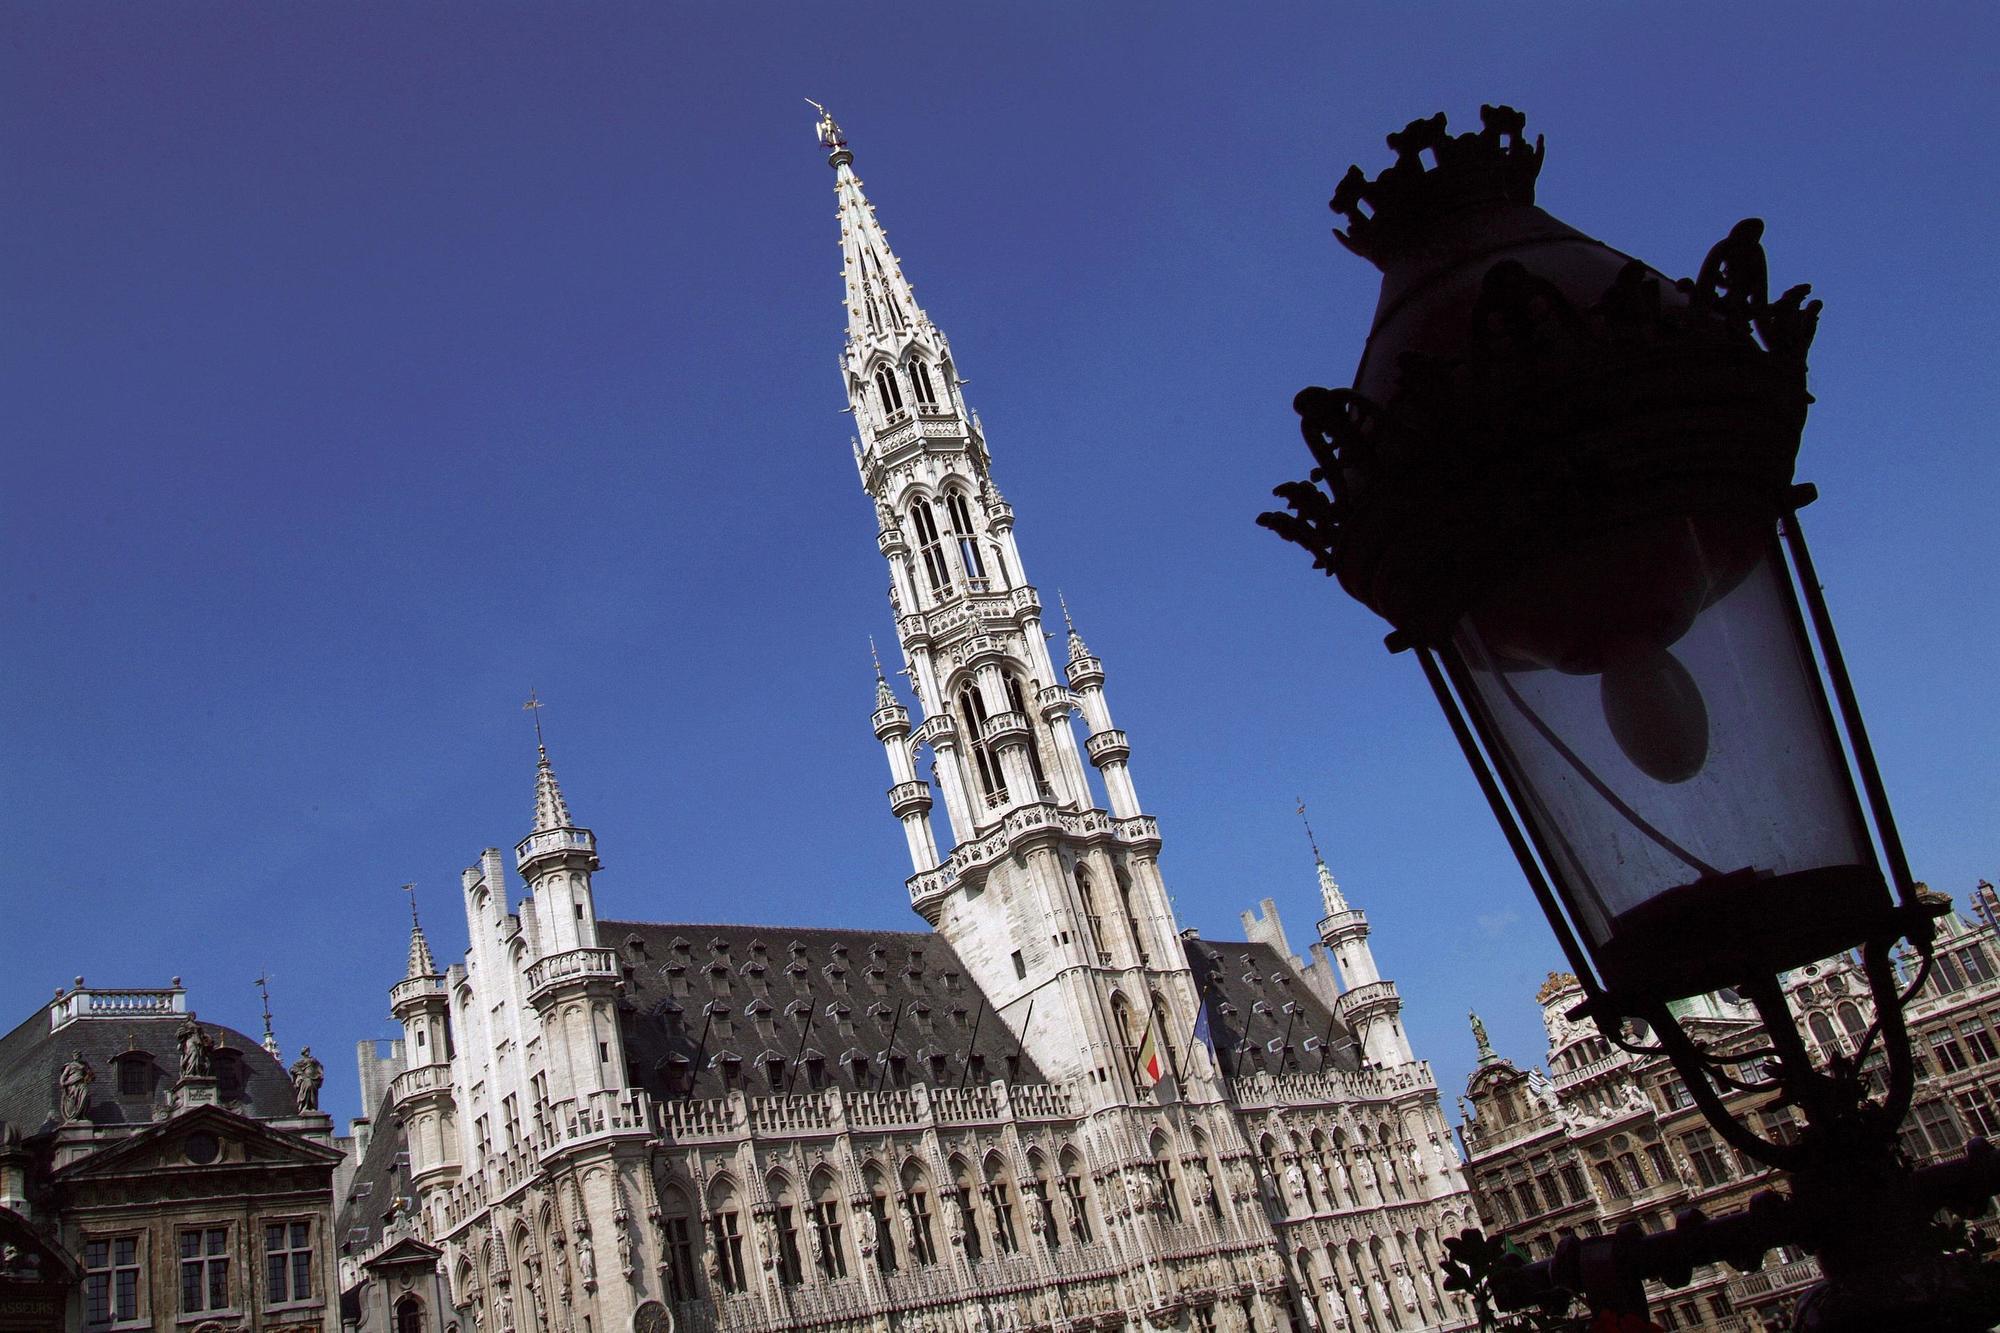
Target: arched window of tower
x=1128 y=1042
x=920 y=379
x=1017 y=699
x=972 y=710
x=968 y=545
x=929 y=548
x=1093 y=921
x=1132 y=918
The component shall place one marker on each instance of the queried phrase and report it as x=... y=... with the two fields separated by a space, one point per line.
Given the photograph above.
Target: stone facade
x=1605 y=1137
x=1052 y=1109
x=159 y=1173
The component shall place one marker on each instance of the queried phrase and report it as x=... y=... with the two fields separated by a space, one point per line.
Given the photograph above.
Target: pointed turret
x=421 y=962
x=1368 y=1004
x=909 y=795
x=424 y=1097
x=551 y=811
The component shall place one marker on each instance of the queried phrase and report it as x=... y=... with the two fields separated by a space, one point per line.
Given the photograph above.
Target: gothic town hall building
x=1050 y=1108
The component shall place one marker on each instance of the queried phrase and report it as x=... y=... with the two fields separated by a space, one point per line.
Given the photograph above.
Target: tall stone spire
x=1032 y=856
x=881 y=304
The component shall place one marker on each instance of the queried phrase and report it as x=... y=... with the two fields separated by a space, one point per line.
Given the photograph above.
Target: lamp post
x=1567 y=483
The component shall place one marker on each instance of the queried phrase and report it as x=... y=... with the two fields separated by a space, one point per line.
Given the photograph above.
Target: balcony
x=1362 y=1000
x=1005 y=726
x=909 y=798
x=597 y=1115
x=1108 y=747
x=1764 y=1284
x=419 y=1081
x=414 y=988
x=1595 y=1069
x=551 y=841
x=575 y=965
x=1054 y=701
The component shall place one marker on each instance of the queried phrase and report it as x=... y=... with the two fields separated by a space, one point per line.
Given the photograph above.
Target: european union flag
x=1201 y=1032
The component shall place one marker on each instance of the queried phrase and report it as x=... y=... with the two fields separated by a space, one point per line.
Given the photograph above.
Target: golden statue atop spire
x=830 y=137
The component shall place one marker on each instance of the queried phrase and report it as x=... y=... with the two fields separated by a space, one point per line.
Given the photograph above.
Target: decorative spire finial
x=884 y=696
x=534 y=709
x=1309 y=830
x=1486 y=1055
x=1330 y=895
x=421 y=962
x=270 y=1042
x=830 y=137
x=1077 y=648
x=551 y=812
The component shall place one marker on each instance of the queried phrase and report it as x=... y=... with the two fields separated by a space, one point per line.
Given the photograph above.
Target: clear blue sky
x=365 y=365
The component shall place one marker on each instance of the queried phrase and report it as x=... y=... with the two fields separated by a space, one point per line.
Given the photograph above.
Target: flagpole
x=965 y=1065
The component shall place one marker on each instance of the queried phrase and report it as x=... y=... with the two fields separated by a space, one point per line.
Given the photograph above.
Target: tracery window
x=890 y=392
x=920 y=378
x=972 y=715
x=929 y=549
x=960 y=515
x=1091 y=918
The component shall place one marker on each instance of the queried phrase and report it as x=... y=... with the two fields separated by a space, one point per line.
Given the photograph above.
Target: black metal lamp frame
x=1838 y=1120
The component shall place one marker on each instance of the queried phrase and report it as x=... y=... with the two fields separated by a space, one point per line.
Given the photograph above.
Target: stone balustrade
x=85 y=1002
x=419 y=1080
x=594 y=1115
x=1258 y=1091
x=554 y=840
x=571 y=965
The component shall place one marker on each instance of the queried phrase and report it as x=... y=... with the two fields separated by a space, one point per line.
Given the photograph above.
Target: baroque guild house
x=1607 y=1137
x=158 y=1172
x=1050 y=1108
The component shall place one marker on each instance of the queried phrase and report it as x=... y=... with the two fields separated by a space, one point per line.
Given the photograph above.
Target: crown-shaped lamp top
x=1436 y=173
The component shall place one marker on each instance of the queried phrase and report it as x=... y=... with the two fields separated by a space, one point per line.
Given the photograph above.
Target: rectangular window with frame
x=1939 y=1126
x=111 y=1280
x=204 y=1270
x=1979 y=1108
x=1977 y=963
x=1946 y=1052
x=1707 y=1157
x=680 y=1260
x=287 y=1262
x=1977 y=1040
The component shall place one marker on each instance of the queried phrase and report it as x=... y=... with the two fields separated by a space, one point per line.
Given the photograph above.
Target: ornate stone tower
x=1053 y=900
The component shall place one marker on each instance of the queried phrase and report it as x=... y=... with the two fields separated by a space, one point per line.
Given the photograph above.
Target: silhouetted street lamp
x=1567 y=482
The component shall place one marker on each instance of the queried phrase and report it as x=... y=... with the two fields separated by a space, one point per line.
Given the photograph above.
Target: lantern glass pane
x=1657 y=713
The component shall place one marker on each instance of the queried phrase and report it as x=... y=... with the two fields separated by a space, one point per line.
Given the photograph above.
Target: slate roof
x=1247 y=988
x=32 y=1057
x=381 y=1182
x=762 y=982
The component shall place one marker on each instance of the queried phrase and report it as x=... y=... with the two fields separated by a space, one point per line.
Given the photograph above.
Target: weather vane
x=1309 y=829
x=411 y=889
x=534 y=708
x=263 y=984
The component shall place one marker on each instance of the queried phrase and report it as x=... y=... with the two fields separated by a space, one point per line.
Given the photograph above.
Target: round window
x=202 y=1147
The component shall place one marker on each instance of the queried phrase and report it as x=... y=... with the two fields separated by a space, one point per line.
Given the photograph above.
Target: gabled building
x=159 y=1173
x=1049 y=1108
